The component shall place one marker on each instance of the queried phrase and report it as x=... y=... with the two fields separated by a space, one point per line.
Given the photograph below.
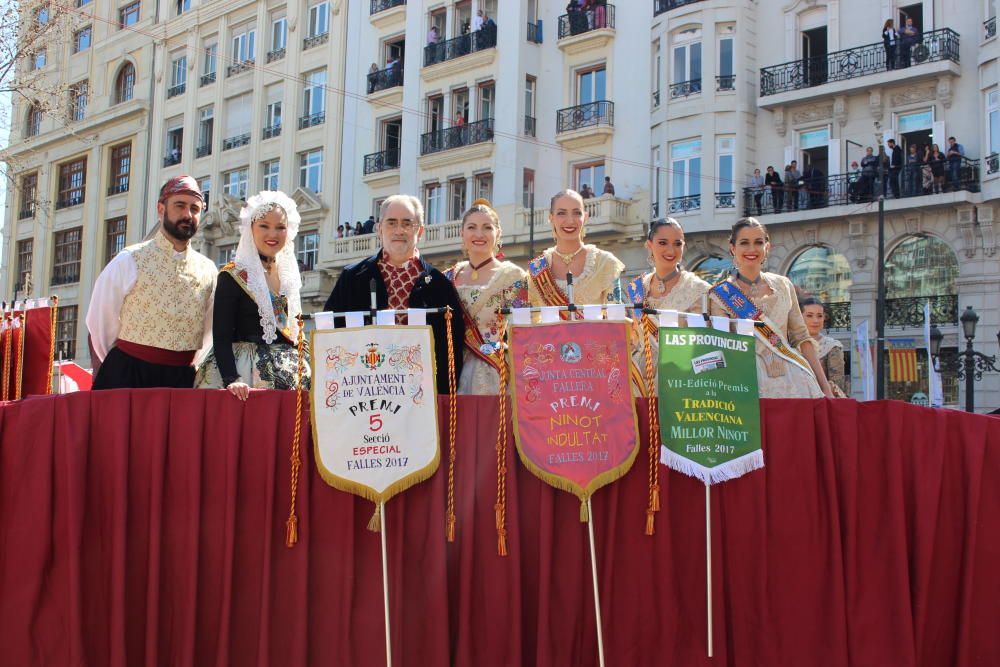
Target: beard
x=176 y=230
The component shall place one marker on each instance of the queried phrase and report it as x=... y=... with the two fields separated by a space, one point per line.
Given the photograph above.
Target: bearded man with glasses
x=403 y=280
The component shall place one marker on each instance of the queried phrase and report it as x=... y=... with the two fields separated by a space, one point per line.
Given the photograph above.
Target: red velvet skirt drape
x=147 y=527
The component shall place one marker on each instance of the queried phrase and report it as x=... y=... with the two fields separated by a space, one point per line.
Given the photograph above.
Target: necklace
x=753 y=284
x=666 y=279
x=267 y=262
x=475 y=267
x=568 y=258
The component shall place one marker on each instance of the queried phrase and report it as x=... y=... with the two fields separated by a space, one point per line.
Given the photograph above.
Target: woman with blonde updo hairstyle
x=484 y=283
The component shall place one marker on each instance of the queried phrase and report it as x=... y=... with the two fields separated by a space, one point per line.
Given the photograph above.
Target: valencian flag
x=374 y=408
x=903 y=363
x=27 y=348
x=575 y=423
x=709 y=403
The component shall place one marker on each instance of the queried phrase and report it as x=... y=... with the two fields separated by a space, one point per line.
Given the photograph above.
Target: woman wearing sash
x=787 y=363
x=254 y=324
x=595 y=272
x=829 y=350
x=667 y=287
x=484 y=284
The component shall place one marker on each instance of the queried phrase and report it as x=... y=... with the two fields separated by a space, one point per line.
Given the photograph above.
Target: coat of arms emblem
x=372 y=359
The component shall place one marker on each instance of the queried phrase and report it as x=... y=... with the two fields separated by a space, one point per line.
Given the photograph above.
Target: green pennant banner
x=709 y=404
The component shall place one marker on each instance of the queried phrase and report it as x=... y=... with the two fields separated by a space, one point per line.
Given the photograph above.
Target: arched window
x=822 y=273
x=125 y=83
x=921 y=269
x=713 y=269
x=34 y=121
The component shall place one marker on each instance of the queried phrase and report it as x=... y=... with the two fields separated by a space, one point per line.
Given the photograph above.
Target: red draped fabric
x=147 y=527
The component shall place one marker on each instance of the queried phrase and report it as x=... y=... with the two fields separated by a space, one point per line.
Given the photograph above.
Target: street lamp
x=967 y=364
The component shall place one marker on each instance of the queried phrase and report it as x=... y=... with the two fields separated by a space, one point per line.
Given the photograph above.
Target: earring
x=649 y=260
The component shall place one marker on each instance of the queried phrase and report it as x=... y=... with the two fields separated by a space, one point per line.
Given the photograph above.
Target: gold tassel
x=452 y=425
x=296 y=459
x=652 y=408
x=502 y=543
x=498 y=511
x=53 y=316
x=291 y=531
x=500 y=508
x=375 y=523
x=656 y=498
x=451 y=528
x=584 y=514
x=650 y=522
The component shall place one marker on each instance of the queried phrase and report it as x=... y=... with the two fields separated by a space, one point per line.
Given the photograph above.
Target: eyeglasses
x=405 y=225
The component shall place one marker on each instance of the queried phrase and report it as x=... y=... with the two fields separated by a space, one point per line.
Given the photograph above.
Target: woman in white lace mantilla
x=255 y=323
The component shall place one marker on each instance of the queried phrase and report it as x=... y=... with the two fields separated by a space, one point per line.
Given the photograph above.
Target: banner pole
x=385 y=587
x=593 y=570
x=708 y=560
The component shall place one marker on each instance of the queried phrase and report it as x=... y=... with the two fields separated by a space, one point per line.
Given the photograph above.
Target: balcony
x=174 y=91
x=383 y=79
x=725 y=83
x=73 y=197
x=685 y=89
x=315 y=40
x=909 y=311
x=938 y=46
x=382 y=5
x=656 y=99
x=239 y=68
x=678 y=205
x=660 y=6
x=172 y=159
x=271 y=132
x=990 y=28
x=26 y=212
x=992 y=164
x=725 y=200
x=581 y=31
x=119 y=187
x=455 y=137
x=235 y=142
x=591 y=114
x=207 y=79
x=535 y=32
x=460 y=46
x=276 y=54
x=202 y=151
x=838 y=315
x=376 y=163
x=848 y=189
x=311 y=120
x=529 y=126
x=66 y=275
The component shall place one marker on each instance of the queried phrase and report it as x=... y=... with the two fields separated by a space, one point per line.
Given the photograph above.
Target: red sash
x=156 y=355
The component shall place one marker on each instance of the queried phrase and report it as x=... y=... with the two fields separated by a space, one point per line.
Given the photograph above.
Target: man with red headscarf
x=151 y=310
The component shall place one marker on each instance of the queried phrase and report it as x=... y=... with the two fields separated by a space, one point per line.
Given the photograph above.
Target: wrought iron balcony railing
x=725 y=200
x=654 y=210
x=239 y=68
x=236 y=142
x=992 y=163
x=171 y=160
x=66 y=275
x=315 y=40
x=382 y=5
x=529 y=126
x=72 y=197
x=990 y=28
x=727 y=82
x=207 y=79
x=26 y=212
x=857 y=62
x=383 y=79
x=909 y=311
x=591 y=114
x=174 y=91
x=656 y=98
x=271 y=132
x=276 y=54
x=535 y=32
x=825 y=191
x=685 y=88
x=118 y=187
x=317 y=118
x=382 y=161
x=457 y=136
x=202 y=151
x=582 y=21
x=683 y=204
x=660 y=6
x=460 y=46
x=838 y=315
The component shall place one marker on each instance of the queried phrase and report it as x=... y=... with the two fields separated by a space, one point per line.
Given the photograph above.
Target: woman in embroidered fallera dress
x=595 y=271
x=255 y=326
x=484 y=284
x=787 y=364
x=667 y=287
x=829 y=350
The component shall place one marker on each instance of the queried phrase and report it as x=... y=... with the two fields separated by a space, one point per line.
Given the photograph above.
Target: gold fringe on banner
x=452 y=426
x=501 y=505
x=292 y=525
x=53 y=318
x=19 y=373
x=652 y=405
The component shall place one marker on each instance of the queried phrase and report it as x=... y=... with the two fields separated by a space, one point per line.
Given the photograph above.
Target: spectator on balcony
x=890 y=39
x=774 y=185
x=369 y=225
x=586 y=192
x=757 y=189
x=459 y=120
x=600 y=13
x=911 y=172
x=869 y=169
x=796 y=186
x=340 y=231
x=926 y=171
x=175 y=155
x=815 y=185
x=937 y=161
x=358 y=229
x=955 y=154
x=609 y=187
x=432 y=35
x=909 y=37
x=403 y=279
x=895 y=158
x=478 y=21
x=576 y=18
x=854 y=182
x=372 y=78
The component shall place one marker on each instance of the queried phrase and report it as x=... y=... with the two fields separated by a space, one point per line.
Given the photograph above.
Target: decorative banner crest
x=709 y=405
x=575 y=423
x=374 y=409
